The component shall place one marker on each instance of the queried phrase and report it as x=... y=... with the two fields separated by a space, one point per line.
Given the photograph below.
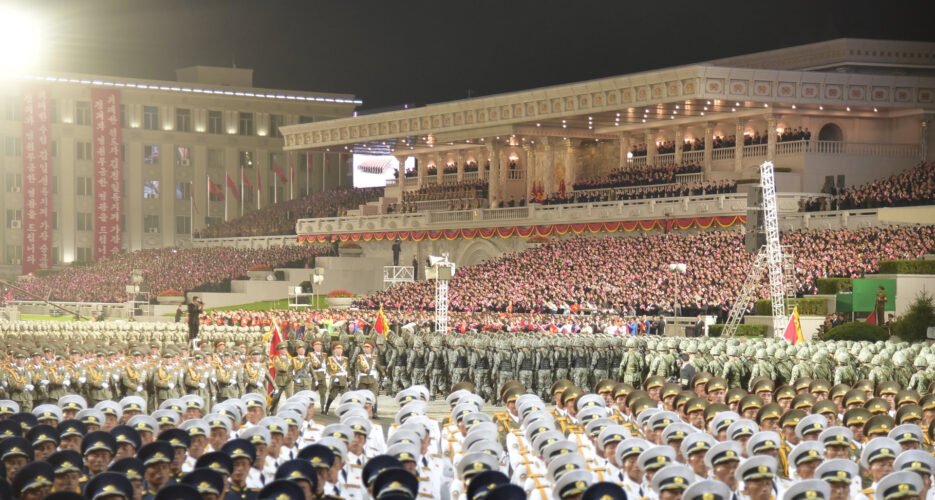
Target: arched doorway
x=831 y=132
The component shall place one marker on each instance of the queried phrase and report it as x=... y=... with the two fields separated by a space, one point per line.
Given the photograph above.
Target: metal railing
x=723 y=154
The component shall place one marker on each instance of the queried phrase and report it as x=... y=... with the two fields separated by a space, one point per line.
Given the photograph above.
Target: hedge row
x=742 y=330
x=833 y=286
x=808 y=306
x=907 y=267
x=857 y=330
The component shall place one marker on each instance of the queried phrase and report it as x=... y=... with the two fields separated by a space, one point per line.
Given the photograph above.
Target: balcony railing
x=636 y=161
x=470 y=176
x=664 y=159
x=516 y=174
x=754 y=150
x=689 y=178
x=722 y=154
x=696 y=157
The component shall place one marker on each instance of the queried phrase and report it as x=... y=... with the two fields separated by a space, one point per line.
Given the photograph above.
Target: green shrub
x=808 y=306
x=907 y=267
x=742 y=330
x=857 y=330
x=833 y=286
x=920 y=316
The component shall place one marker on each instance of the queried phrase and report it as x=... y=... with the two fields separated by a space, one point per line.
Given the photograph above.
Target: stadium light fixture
x=20 y=36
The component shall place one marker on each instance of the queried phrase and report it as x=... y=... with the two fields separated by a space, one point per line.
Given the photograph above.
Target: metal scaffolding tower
x=440 y=270
x=770 y=259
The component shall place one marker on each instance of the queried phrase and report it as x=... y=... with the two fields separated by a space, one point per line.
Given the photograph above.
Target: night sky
x=390 y=52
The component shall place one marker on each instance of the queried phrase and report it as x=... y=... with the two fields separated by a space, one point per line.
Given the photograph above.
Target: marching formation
x=131 y=410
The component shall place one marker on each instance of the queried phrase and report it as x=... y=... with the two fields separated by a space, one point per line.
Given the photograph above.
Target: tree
x=921 y=315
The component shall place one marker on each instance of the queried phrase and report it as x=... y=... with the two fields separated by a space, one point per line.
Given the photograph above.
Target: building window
x=14 y=182
x=84 y=222
x=14 y=254
x=53 y=111
x=246 y=159
x=183 y=156
x=151 y=223
x=84 y=254
x=56 y=256
x=151 y=190
x=54 y=220
x=246 y=124
x=123 y=116
x=151 y=155
x=183 y=224
x=306 y=119
x=183 y=120
x=84 y=186
x=210 y=221
x=150 y=117
x=11 y=109
x=215 y=122
x=215 y=158
x=54 y=149
x=183 y=190
x=276 y=121
x=54 y=184
x=82 y=113
x=83 y=150
x=14 y=218
x=13 y=146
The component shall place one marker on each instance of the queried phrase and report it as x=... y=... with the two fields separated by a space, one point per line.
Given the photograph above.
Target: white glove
x=171 y=385
x=82 y=380
x=139 y=388
x=201 y=385
x=4 y=383
x=29 y=387
x=233 y=382
x=116 y=377
x=65 y=382
x=44 y=382
x=105 y=385
x=214 y=380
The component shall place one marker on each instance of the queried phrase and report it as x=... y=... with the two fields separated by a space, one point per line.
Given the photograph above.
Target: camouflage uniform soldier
x=599 y=360
x=544 y=367
x=417 y=362
x=920 y=379
x=481 y=365
x=436 y=366
x=398 y=360
x=844 y=373
x=503 y=364
x=579 y=366
x=560 y=359
x=880 y=372
x=526 y=363
x=632 y=364
x=802 y=367
x=734 y=370
x=762 y=368
x=458 y=361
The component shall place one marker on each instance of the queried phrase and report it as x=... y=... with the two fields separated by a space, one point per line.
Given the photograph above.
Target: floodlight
x=318 y=279
x=19 y=40
x=679 y=268
x=297 y=290
x=434 y=260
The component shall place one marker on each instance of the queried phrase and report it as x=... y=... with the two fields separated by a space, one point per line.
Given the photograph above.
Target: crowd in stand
x=181 y=269
x=630 y=274
x=462 y=195
x=638 y=176
x=719 y=142
x=644 y=193
x=280 y=218
x=794 y=134
x=915 y=186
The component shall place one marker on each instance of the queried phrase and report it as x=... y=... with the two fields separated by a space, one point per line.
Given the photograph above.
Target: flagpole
x=275 y=189
x=292 y=177
x=258 y=185
x=241 y=191
x=208 y=201
x=324 y=166
x=225 y=199
x=308 y=172
x=191 y=210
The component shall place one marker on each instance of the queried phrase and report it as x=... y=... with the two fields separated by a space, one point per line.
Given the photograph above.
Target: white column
x=459 y=159
x=678 y=141
x=650 y=140
x=493 y=151
x=708 y=144
x=421 y=168
x=546 y=166
x=624 y=149
x=738 y=152
x=401 y=174
x=571 y=164
x=771 y=121
x=530 y=165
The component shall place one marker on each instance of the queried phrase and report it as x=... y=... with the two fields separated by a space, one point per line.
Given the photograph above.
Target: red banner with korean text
x=108 y=182
x=37 y=180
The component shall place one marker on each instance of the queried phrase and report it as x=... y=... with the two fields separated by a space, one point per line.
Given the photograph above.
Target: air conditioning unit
x=16 y=224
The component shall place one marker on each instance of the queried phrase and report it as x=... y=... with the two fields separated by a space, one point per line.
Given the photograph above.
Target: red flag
x=233 y=187
x=872 y=319
x=246 y=181
x=308 y=163
x=793 y=331
x=279 y=173
x=215 y=190
x=381 y=325
x=274 y=339
x=191 y=194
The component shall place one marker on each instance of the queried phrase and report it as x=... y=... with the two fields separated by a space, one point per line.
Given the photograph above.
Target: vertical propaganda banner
x=37 y=180
x=108 y=183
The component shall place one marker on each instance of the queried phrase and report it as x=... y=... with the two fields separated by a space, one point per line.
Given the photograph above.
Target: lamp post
x=677 y=268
